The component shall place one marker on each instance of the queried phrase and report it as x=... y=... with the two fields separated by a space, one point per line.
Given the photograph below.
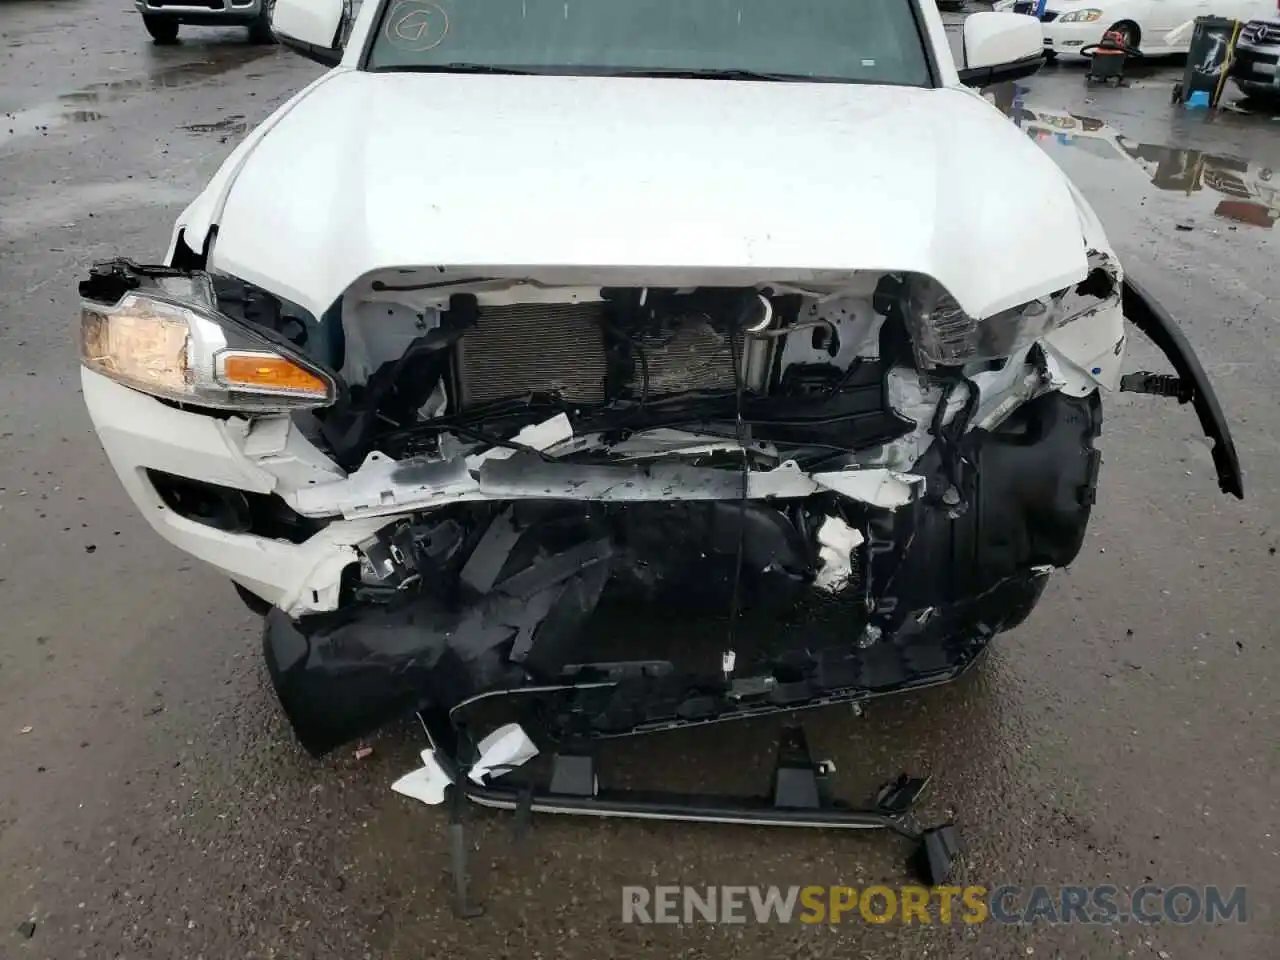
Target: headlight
x=1087 y=15
x=159 y=332
x=944 y=335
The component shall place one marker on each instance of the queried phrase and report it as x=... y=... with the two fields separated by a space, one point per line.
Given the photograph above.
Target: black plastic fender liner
x=1156 y=323
x=1030 y=491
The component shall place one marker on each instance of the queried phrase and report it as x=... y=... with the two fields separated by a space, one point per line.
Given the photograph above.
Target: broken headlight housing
x=944 y=335
x=160 y=332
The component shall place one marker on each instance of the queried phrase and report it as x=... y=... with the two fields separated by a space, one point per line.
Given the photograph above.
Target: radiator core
x=559 y=348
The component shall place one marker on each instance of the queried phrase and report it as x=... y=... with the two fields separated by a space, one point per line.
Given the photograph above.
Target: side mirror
x=998 y=47
x=314 y=28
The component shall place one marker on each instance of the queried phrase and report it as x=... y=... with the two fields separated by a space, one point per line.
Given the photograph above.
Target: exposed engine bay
x=845 y=508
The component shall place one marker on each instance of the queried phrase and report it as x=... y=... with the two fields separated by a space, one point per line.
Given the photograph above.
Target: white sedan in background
x=1072 y=25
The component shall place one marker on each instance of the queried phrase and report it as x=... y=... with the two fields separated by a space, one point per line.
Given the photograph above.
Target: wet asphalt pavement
x=154 y=804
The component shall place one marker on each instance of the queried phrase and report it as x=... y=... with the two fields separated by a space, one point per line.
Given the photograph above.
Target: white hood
x=374 y=171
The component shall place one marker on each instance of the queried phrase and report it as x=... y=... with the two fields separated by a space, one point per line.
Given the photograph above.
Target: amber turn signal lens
x=265 y=371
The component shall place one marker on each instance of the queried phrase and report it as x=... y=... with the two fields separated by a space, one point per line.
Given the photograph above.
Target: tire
x=260 y=29
x=163 y=30
x=1132 y=33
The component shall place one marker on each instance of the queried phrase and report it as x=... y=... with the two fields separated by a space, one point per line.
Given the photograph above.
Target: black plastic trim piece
x=1156 y=323
x=1002 y=72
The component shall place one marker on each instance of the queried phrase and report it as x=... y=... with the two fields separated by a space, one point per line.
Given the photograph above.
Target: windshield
x=852 y=41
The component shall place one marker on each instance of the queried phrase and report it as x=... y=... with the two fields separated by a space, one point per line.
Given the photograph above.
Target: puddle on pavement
x=89 y=103
x=1249 y=192
x=40 y=120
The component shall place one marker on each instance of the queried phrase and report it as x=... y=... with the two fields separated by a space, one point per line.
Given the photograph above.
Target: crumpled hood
x=373 y=171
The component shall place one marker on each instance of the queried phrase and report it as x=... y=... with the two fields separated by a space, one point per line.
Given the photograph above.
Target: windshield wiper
x=575 y=70
x=734 y=73
x=459 y=68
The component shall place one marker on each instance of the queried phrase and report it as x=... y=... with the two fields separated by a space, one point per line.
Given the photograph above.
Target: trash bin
x=1213 y=44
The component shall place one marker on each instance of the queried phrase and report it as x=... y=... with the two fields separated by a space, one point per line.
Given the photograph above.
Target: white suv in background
x=1256 y=69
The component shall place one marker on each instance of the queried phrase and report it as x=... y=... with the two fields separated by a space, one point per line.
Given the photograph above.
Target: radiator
x=558 y=348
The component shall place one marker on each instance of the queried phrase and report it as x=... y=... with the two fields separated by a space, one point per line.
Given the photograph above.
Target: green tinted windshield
x=868 y=41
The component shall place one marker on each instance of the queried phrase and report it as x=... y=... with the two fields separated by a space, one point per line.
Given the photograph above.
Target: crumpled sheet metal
x=385 y=487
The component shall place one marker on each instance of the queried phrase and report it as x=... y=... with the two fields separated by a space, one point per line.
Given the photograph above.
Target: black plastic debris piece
x=934 y=859
x=898 y=797
x=797 y=782
x=27 y=929
x=573 y=775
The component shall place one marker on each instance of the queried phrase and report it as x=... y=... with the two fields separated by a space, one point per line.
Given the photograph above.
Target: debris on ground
x=27 y=929
x=364 y=752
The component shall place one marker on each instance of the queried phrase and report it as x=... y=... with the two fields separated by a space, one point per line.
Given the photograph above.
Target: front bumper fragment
x=925 y=589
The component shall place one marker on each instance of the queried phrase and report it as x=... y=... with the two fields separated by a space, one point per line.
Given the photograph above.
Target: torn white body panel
x=501 y=751
x=429 y=783
x=880 y=488
x=506 y=748
x=837 y=543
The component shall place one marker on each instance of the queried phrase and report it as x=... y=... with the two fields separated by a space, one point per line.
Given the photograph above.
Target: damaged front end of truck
x=627 y=507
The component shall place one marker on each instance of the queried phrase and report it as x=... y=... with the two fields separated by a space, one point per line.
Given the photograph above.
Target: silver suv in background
x=1256 y=69
x=162 y=18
